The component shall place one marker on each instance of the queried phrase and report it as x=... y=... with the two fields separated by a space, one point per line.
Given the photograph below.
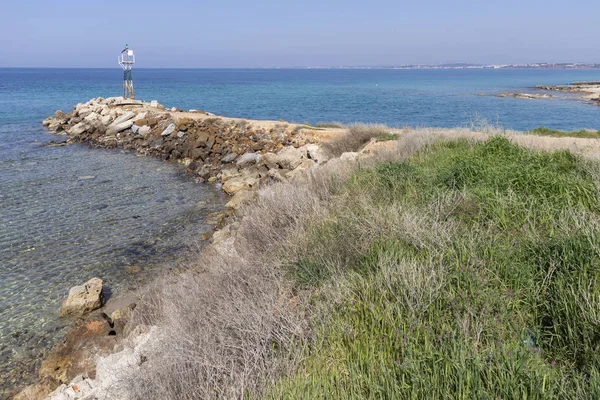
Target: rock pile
x=240 y=154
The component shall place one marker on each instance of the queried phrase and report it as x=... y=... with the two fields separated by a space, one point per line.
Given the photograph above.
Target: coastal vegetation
x=582 y=133
x=357 y=135
x=370 y=263
x=442 y=269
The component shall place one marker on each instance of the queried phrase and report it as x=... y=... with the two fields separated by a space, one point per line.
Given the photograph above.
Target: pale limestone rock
x=140 y=116
x=78 y=129
x=349 y=156
x=231 y=157
x=83 y=299
x=92 y=117
x=229 y=173
x=105 y=120
x=123 y=118
x=247 y=159
x=144 y=130
x=316 y=153
x=240 y=198
x=244 y=182
x=168 y=130
x=289 y=157
x=119 y=127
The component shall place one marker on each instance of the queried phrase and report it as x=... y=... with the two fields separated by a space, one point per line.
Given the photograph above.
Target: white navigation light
x=126 y=60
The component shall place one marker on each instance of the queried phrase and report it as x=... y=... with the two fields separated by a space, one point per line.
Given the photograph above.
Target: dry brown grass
x=355 y=137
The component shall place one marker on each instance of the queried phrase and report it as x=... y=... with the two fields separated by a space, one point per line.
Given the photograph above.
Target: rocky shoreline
x=238 y=155
x=589 y=91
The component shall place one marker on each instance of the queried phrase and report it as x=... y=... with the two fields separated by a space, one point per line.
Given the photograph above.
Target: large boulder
x=125 y=117
x=289 y=157
x=83 y=299
x=58 y=118
x=247 y=181
x=119 y=127
x=78 y=129
x=316 y=153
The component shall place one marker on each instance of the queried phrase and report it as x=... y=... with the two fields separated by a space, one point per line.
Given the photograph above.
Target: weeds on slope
x=583 y=133
x=469 y=271
x=356 y=136
x=457 y=270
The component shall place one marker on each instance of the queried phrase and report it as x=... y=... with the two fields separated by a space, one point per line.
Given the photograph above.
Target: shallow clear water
x=70 y=213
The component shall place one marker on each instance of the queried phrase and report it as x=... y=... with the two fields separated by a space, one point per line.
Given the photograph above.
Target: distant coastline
x=471 y=66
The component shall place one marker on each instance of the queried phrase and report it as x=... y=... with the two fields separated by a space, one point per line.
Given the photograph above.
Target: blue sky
x=235 y=33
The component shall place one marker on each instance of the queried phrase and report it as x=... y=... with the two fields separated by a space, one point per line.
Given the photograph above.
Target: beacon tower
x=126 y=61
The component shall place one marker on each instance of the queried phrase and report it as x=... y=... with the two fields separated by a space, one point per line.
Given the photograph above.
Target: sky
x=281 y=33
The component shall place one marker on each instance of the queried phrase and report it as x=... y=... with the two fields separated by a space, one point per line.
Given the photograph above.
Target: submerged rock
x=83 y=299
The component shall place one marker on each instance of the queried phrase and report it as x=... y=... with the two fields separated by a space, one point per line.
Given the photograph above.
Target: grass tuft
x=582 y=133
x=355 y=137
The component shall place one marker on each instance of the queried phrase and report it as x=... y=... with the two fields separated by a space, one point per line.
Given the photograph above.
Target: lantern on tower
x=126 y=61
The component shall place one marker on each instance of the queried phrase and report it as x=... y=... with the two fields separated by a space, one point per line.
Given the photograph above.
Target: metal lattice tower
x=126 y=61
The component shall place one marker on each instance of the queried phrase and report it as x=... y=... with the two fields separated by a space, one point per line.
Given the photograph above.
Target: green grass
x=386 y=136
x=583 y=133
x=468 y=271
x=334 y=125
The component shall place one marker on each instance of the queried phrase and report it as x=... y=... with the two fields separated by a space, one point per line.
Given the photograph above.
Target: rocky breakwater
x=239 y=154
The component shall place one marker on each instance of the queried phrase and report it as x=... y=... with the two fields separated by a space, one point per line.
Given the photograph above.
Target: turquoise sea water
x=59 y=227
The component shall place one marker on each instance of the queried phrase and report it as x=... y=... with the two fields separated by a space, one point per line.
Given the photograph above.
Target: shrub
x=355 y=137
x=582 y=133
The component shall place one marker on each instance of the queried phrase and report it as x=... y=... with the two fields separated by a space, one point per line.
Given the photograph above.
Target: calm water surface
x=70 y=213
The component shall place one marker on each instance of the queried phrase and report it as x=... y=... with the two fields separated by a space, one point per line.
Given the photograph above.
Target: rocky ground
x=237 y=154
x=589 y=91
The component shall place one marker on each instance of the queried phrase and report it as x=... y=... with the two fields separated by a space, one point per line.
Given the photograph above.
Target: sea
x=71 y=213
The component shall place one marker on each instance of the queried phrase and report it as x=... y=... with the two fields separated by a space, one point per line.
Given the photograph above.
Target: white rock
x=77 y=129
x=144 y=130
x=140 y=116
x=125 y=117
x=168 y=130
x=118 y=128
x=154 y=103
x=83 y=299
x=247 y=159
x=180 y=134
x=92 y=117
x=289 y=157
x=316 y=153
x=106 y=120
x=135 y=128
